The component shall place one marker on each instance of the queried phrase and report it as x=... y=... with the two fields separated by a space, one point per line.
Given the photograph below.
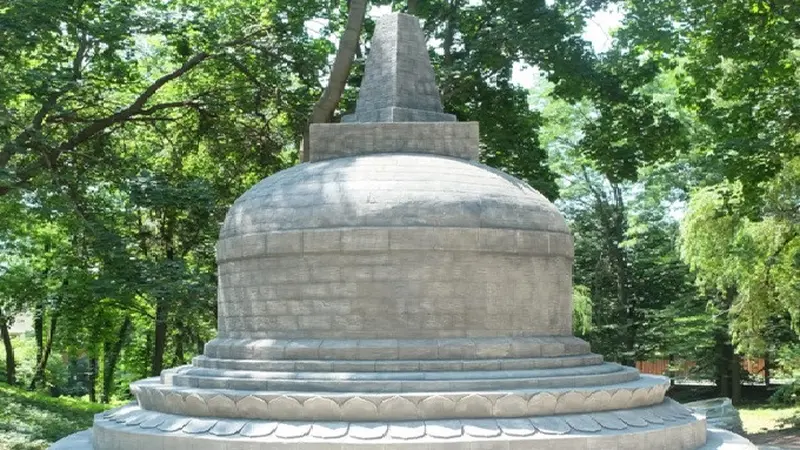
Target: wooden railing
x=682 y=369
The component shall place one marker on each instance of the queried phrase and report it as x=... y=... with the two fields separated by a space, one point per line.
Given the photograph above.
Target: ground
x=767 y=426
x=32 y=421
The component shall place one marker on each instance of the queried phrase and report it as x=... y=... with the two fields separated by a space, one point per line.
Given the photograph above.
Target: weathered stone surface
x=582 y=431
x=399 y=83
x=454 y=139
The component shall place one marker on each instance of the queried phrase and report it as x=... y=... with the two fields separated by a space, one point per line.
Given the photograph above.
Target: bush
x=33 y=421
x=787 y=395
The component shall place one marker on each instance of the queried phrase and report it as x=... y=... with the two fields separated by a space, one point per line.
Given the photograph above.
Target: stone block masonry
x=396 y=283
x=399 y=83
x=455 y=139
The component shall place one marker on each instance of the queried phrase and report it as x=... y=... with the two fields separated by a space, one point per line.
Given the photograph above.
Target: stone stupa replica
x=396 y=294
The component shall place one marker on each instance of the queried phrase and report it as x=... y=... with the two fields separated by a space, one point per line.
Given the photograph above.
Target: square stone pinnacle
x=399 y=83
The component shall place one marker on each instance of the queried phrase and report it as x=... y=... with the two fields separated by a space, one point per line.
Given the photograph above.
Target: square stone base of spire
x=397 y=114
x=454 y=139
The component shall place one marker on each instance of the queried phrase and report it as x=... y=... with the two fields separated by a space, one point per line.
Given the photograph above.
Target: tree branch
x=348 y=44
x=95 y=127
x=137 y=106
x=14 y=146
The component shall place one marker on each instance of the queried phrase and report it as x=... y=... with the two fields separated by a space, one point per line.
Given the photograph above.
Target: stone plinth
x=395 y=293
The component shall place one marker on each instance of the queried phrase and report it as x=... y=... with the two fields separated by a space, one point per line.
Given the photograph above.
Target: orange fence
x=682 y=369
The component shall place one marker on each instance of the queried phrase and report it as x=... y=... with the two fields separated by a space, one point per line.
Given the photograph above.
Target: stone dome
x=393 y=245
x=391 y=190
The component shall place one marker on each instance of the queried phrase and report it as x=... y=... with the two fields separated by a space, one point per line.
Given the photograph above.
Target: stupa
x=394 y=293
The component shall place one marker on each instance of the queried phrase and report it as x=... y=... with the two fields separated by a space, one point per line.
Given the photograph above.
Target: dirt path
x=787 y=439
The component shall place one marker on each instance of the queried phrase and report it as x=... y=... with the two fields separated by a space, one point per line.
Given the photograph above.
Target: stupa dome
x=391 y=190
x=394 y=245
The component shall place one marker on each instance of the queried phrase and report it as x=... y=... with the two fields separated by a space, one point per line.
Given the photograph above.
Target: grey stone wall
x=394 y=246
x=455 y=139
x=396 y=283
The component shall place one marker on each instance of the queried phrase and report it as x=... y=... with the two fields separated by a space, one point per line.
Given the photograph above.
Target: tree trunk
x=729 y=364
x=736 y=377
x=111 y=356
x=617 y=226
x=450 y=32
x=412 y=7
x=162 y=304
x=348 y=44
x=11 y=365
x=39 y=375
x=724 y=361
x=201 y=344
x=93 y=379
x=179 y=356
x=160 y=338
x=734 y=362
x=147 y=361
x=671 y=370
x=613 y=221
x=38 y=329
x=767 y=377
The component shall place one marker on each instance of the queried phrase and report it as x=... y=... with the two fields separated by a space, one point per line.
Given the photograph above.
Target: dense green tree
x=626 y=257
x=94 y=67
x=128 y=128
x=706 y=92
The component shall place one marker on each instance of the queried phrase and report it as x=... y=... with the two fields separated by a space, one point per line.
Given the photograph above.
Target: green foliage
x=32 y=421
x=626 y=263
x=25 y=351
x=787 y=394
x=581 y=310
x=757 y=258
x=738 y=73
x=127 y=129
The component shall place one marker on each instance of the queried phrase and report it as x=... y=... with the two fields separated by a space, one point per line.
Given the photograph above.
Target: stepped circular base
x=347 y=406
x=666 y=426
x=395 y=349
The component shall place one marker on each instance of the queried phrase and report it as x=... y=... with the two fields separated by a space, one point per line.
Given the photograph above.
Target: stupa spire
x=399 y=83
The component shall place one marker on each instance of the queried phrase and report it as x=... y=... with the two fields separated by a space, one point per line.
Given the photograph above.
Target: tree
x=626 y=258
x=55 y=87
x=675 y=93
x=131 y=150
x=337 y=80
x=738 y=72
x=750 y=264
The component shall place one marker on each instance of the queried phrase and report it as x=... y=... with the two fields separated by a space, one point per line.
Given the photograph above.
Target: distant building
x=22 y=324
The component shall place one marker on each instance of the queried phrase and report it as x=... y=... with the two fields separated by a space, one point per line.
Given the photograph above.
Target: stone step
x=343 y=374
x=404 y=381
x=471 y=403
x=666 y=426
x=397 y=365
x=396 y=349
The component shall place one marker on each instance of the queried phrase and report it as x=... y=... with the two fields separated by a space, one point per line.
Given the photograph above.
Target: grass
x=761 y=419
x=33 y=421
